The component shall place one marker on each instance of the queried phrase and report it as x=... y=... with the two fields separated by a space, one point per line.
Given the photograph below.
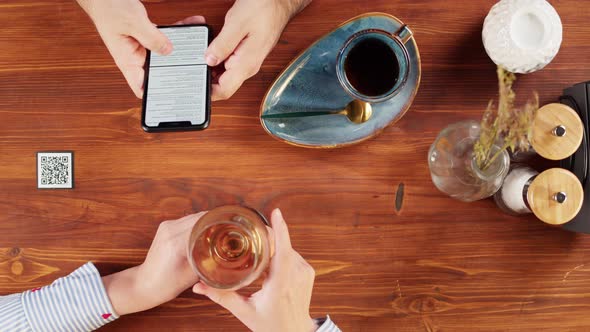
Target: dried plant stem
x=495 y=156
x=505 y=124
x=489 y=146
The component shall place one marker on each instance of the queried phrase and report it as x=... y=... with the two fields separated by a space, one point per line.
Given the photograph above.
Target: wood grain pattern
x=418 y=263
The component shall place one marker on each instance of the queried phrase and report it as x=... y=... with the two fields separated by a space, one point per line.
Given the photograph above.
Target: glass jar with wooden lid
x=555 y=196
x=556 y=133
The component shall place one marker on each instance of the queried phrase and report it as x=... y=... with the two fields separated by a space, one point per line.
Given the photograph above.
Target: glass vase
x=453 y=167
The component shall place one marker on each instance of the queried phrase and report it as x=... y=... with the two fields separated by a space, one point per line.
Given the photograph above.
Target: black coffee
x=371 y=67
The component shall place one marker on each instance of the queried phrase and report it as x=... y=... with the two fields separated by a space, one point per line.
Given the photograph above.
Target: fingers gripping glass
x=229 y=247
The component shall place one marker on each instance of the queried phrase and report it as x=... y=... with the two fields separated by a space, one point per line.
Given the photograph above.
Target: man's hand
x=251 y=30
x=163 y=275
x=283 y=302
x=127 y=32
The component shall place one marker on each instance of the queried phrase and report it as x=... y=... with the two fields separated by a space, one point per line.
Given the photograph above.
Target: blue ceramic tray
x=310 y=84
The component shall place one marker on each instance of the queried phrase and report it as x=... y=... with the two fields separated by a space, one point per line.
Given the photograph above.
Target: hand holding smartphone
x=177 y=86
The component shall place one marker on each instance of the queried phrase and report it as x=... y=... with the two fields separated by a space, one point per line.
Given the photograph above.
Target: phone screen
x=176 y=89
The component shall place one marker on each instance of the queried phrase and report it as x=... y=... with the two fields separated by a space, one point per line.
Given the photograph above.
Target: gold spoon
x=356 y=111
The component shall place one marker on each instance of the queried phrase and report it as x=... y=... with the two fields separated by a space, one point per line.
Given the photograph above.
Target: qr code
x=55 y=170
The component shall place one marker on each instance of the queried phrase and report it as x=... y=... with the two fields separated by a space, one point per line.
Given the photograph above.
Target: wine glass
x=229 y=247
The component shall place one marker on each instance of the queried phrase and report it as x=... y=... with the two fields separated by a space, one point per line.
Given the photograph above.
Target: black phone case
x=180 y=125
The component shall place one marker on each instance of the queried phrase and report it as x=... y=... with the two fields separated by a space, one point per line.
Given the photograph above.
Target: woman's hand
x=163 y=275
x=283 y=302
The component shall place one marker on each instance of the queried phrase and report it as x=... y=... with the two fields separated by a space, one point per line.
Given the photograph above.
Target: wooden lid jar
x=557 y=131
x=555 y=196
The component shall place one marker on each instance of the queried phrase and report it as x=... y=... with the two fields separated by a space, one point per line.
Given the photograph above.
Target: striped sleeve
x=77 y=302
x=12 y=316
x=328 y=326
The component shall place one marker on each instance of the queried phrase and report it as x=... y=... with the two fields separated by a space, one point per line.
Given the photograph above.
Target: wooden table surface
x=433 y=265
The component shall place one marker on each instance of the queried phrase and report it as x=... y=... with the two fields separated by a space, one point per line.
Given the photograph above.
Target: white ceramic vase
x=522 y=36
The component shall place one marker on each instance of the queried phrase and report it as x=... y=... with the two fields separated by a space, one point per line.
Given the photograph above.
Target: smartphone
x=176 y=94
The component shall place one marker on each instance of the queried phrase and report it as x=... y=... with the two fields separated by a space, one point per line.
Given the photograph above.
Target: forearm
x=121 y=289
x=86 y=5
x=131 y=291
x=295 y=6
x=303 y=3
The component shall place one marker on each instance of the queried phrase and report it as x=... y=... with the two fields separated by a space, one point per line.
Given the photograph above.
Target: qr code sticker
x=55 y=170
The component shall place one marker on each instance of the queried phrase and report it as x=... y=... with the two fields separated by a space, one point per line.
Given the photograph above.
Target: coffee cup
x=373 y=65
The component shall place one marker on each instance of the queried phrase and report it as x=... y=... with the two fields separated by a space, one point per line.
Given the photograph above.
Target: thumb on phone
x=224 y=44
x=148 y=35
